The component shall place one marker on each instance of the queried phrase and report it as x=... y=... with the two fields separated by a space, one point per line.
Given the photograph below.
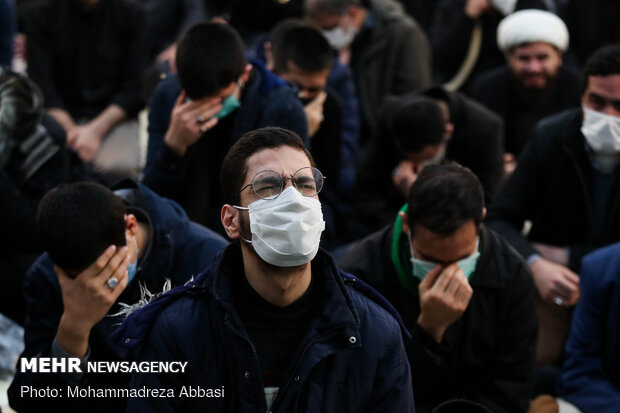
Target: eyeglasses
x=269 y=184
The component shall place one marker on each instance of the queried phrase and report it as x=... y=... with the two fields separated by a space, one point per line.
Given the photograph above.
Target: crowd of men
x=319 y=205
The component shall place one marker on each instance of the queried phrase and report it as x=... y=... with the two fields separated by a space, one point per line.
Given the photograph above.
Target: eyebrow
x=597 y=96
x=438 y=261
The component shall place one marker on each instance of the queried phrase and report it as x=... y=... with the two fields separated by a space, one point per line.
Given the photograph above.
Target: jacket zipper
x=228 y=321
x=294 y=374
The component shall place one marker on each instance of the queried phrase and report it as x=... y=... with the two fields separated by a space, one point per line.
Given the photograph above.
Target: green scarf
x=401 y=255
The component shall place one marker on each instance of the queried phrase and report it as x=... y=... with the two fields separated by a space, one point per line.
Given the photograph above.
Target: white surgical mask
x=286 y=231
x=341 y=36
x=602 y=132
x=504 y=6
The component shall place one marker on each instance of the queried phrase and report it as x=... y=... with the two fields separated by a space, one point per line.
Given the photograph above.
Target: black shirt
x=86 y=59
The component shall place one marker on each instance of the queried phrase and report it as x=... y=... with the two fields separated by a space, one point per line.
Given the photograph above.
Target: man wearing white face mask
x=567 y=185
x=273 y=321
x=386 y=49
x=465 y=295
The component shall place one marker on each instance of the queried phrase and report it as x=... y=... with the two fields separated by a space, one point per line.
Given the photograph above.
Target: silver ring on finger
x=558 y=301
x=112 y=282
x=200 y=119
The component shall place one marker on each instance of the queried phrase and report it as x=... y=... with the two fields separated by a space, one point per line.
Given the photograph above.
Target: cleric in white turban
x=531 y=26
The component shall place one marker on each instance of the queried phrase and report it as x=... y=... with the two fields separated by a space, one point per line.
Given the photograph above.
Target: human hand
x=510 y=163
x=189 y=120
x=85 y=140
x=169 y=54
x=558 y=255
x=404 y=175
x=314 y=113
x=555 y=283
x=87 y=298
x=475 y=8
x=444 y=297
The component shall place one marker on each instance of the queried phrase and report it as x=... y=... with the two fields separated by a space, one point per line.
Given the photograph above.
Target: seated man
x=33 y=159
x=534 y=84
x=567 y=185
x=197 y=116
x=88 y=57
x=590 y=378
x=103 y=249
x=386 y=49
x=279 y=327
x=302 y=57
x=465 y=295
x=419 y=129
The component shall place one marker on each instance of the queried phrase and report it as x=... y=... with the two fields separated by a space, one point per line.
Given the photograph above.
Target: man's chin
x=535 y=83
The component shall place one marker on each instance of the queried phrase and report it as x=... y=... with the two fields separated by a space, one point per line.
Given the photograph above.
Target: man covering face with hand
x=466 y=297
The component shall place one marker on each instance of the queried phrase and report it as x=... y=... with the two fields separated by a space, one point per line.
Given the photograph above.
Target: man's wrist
x=435 y=332
x=175 y=147
x=533 y=258
x=73 y=337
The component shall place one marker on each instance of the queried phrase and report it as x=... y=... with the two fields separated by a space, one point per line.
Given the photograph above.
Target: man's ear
x=230 y=221
x=449 y=130
x=403 y=216
x=484 y=213
x=131 y=224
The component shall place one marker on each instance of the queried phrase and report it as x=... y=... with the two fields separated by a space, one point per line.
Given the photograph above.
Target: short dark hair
x=603 y=62
x=77 y=222
x=234 y=166
x=21 y=105
x=210 y=57
x=303 y=45
x=444 y=197
x=416 y=122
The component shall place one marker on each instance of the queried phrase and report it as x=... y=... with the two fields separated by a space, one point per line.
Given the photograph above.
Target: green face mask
x=422 y=268
x=229 y=104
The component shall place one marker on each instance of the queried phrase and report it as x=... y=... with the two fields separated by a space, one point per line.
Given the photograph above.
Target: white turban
x=531 y=26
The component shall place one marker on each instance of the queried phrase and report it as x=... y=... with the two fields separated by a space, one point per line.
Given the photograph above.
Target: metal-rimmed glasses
x=269 y=184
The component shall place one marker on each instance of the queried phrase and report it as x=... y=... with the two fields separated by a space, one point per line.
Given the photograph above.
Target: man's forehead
x=605 y=86
x=534 y=48
x=283 y=160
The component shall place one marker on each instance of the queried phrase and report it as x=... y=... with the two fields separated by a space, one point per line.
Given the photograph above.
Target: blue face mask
x=229 y=104
x=422 y=268
x=132 y=268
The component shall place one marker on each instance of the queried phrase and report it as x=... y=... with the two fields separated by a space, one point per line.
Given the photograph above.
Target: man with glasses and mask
x=273 y=322
x=567 y=185
x=197 y=116
x=465 y=295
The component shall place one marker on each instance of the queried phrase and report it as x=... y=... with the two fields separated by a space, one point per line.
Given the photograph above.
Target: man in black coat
x=534 y=84
x=421 y=128
x=567 y=185
x=466 y=296
x=103 y=249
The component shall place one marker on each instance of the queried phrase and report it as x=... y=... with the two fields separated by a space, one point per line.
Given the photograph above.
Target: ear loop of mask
x=243 y=209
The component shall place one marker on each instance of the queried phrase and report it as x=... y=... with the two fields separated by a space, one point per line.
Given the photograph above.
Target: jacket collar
x=336 y=307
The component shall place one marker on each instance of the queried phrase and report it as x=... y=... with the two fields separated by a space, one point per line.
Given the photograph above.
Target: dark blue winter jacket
x=178 y=249
x=591 y=375
x=352 y=358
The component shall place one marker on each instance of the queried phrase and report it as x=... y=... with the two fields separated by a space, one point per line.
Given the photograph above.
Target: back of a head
x=416 y=122
x=209 y=58
x=234 y=167
x=77 y=222
x=21 y=108
x=444 y=197
x=603 y=62
x=303 y=45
